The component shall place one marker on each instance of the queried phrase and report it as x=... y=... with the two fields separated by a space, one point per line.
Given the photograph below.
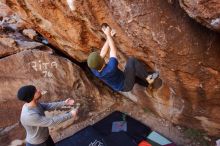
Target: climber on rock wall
x=135 y=71
x=33 y=117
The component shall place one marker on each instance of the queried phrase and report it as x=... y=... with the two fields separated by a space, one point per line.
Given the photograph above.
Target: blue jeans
x=48 y=142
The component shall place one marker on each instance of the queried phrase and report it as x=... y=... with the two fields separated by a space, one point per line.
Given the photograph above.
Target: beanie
x=95 y=61
x=26 y=93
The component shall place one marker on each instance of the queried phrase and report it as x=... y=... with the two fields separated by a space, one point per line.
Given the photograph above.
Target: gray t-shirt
x=36 y=123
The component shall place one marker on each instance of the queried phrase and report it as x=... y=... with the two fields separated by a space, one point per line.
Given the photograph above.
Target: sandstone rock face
x=206 y=12
x=10 y=19
x=186 y=56
x=155 y=31
x=11 y=40
x=14 y=42
x=30 y=33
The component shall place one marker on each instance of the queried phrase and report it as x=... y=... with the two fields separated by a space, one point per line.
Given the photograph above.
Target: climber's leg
x=136 y=72
x=141 y=82
x=130 y=76
x=141 y=71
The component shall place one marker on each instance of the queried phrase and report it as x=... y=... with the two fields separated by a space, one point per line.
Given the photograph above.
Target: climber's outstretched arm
x=113 y=50
x=104 y=49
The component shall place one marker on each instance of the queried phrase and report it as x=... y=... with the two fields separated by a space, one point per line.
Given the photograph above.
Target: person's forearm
x=43 y=121
x=58 y=119
x=104 y=49
x=113 y=49
x=53 y=105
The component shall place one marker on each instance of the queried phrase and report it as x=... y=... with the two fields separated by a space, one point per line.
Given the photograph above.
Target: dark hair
x=26 y=93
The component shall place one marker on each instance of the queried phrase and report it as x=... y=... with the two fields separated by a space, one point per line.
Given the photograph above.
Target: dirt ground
x=180 y=135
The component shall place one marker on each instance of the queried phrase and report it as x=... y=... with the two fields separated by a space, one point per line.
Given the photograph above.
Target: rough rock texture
x=155 y=31
x=14 y=42
x=10 y=19
x=186 y=56
x=11 y=40
x=206 y=12
x=30 y=33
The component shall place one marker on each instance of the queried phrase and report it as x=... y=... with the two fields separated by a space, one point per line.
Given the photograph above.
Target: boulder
x=11 y=40
x=206 y=12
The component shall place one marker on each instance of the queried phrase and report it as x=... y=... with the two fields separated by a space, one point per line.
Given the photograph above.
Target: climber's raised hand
x=107 y=31
x=113 y=32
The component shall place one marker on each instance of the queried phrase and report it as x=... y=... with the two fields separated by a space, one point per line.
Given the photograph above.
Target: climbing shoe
x=150 y=78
